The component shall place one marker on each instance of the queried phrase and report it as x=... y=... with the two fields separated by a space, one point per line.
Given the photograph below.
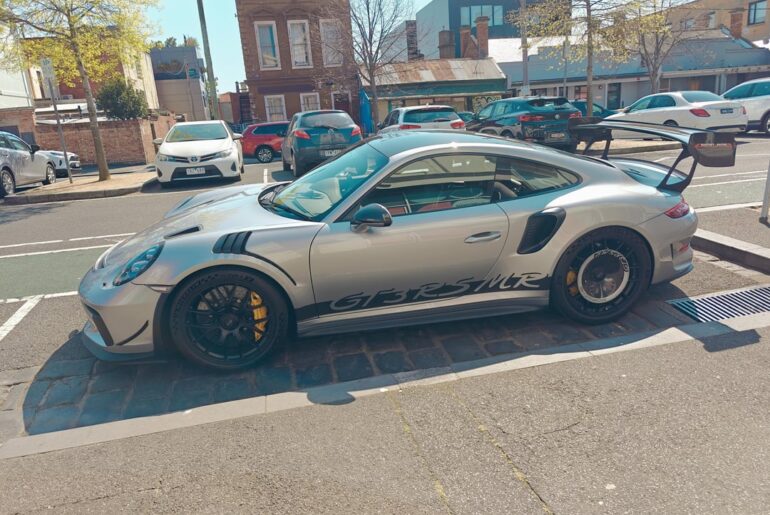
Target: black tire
x=615 y=251
x=225 y=293
x=507 y=134
x=164 y=185
x=264 y=154
x=763 y=128
x=238 y=178
x=50 y=175
x=7 y=183
x=286 y=166
x=670 y=123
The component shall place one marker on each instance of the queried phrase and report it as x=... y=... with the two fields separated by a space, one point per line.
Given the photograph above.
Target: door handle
x=483 y=236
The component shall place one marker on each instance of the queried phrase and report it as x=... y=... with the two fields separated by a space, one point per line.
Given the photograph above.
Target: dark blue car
x=315 y=136
x=598 y=110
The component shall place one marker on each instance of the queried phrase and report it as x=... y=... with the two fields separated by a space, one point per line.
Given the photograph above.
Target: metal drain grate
x=720 y=306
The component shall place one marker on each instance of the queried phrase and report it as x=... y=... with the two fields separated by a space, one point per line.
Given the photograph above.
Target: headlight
x=224 y=153
x=138 y=265
x=163 y=157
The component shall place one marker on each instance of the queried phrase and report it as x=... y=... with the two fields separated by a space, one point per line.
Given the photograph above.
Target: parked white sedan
x=754 y=96
x=199 y=150
x=422 y=117
x=694 y=109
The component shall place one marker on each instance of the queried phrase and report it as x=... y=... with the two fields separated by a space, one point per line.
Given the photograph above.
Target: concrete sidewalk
x=735 y=235
x=84 y=187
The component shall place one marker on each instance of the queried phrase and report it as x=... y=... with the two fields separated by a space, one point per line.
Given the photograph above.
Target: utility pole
x=566 y=63
x=524 y=49
x=211 y=82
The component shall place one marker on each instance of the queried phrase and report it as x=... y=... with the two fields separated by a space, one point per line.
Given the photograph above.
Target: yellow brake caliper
x=571 y=283
x=260 y=313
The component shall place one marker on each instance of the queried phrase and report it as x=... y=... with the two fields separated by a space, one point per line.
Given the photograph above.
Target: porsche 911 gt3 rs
x=404 y=228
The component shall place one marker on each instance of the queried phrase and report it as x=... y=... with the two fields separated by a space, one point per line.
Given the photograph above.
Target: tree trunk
x=655 y=80
x=589 y=61
x=93 y=122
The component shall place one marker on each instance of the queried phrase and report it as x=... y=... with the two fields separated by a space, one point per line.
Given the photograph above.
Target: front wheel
x=7 y=183
x=765 y=128
x=601 y=276
x=228 y=319
x=50 y=175
x=264 y=154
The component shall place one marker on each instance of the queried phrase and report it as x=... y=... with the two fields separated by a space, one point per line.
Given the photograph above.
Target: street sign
x=46 y=65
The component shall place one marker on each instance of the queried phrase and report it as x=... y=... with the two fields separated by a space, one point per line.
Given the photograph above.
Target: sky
x=180 y=17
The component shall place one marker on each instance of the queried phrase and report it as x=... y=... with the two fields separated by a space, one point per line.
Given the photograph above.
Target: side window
x=392 y=119
x=761 y=89
x=517 y=178
x=17 y=144
x=500 y=109
x=641 y=104
x=4 y=143
x=662 y=101
x=486 y=112
x=741 y=91
x=437 y=183
x=293 y=123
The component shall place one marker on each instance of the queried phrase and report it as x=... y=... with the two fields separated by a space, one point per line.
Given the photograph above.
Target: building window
x=299 y=41
x=310 y=101
x=330 y=41
x=757 y=11
x=275 y=108
x=267 y=48
x=495 y=13
x=580 y=93
x=686 y=24
x=711 y=20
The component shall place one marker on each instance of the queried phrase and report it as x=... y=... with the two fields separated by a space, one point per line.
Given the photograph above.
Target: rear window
x=549 y=103
x=700 y=96
x=334 y=120
x=270 y=129
x=436 y=114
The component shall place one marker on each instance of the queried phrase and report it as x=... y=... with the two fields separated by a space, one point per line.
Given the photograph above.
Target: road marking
x=727 y=206
x=726 y=182
x=105 y=236
x=17 y=317
x=46 y=296
x=54 y=251
x=33 y=243
x=264 y=176
x=727 y=175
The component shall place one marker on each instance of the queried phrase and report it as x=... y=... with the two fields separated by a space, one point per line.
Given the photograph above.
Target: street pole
x=47 y=66
x=765 y=199
x=524 y=49
x=212 y=85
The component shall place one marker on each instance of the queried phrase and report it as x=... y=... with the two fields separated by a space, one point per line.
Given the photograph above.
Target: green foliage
x=121 y=101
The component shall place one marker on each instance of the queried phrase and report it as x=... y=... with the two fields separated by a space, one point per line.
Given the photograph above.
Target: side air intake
x=541 y=227
x=233 y=243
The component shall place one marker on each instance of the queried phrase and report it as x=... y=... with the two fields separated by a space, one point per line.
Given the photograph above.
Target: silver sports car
x=405 y=228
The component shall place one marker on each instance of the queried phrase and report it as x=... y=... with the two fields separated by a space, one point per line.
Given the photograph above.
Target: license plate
x=556 y=135
x=728 y=110
x=196 y=171
x=331 y=153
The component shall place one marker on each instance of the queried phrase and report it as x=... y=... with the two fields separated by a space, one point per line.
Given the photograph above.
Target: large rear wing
x=707 y=148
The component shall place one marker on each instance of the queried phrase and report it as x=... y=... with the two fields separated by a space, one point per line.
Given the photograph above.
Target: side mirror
x=34 y=148
x=237 y=136
x=157 y=141
x=372 y=215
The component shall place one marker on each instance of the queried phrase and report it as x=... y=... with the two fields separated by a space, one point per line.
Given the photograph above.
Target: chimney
x=446 y=44
x=465 y=40
x=736 y=23
x=482 y=36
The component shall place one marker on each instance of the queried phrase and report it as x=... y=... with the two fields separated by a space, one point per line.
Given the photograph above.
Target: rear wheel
x=264 y=154
x=50 y=175
x=670 y=123
x=765 y=127
x=601 y=276
x=7 y=183
x=228 y=319
x=507 y=134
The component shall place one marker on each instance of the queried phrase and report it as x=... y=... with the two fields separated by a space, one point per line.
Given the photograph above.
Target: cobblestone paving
x=80 y=391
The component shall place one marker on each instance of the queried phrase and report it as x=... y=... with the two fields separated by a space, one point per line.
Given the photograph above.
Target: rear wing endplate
x=707 y=148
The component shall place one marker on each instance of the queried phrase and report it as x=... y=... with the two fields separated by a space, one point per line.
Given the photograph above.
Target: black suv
x=538 y=119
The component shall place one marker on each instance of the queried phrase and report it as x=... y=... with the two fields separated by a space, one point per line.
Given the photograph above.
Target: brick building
x=293 y=58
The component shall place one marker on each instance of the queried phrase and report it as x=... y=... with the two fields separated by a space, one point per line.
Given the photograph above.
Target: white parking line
x=725 y=182
x=54 y=251
x=102 y=237
x=17 y=317
x=46 y=296
x=33 y=243
x=83 y=238
x=264 y=176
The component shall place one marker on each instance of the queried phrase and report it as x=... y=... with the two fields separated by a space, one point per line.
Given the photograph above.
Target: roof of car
x=430 y=106
x=393 y=143
x=202 y=122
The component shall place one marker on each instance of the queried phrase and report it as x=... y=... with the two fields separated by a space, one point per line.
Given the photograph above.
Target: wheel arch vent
x=541 y=227
x=233 y=243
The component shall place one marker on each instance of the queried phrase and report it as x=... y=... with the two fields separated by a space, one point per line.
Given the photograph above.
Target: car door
x=29 y=167
x=759 y=100
x=636 y=112
x=484 y=119
x=445 y=238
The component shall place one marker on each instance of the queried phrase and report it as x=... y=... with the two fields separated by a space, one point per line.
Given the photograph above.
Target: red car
x=263 y=140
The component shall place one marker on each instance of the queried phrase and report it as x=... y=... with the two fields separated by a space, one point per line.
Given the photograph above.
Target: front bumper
x=121 y=319
x=216 y=168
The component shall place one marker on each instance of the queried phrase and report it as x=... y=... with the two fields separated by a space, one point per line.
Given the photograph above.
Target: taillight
x=299 y=133
x=530 y=118
x=405 y=126
x=458 y=124
x=576 y=114
x=679 y=210
x=356 y=131
x=702 y=113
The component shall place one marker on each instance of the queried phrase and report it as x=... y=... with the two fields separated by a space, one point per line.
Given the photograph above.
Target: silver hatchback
x=22 y=164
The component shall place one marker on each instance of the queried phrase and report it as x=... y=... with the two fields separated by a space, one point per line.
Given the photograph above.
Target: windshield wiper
x=287 y=209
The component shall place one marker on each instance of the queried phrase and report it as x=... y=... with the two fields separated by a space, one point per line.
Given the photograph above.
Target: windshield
x=335 y=120
x=700 y=96
x=197 y=132
x=314 y=195
x=433 y=114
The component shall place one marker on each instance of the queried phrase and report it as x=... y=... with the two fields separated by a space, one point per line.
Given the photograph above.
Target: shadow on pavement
x=15 y=213
x=73 y=389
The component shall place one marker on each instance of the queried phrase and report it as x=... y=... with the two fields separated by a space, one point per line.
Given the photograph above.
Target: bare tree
x=376 y=29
